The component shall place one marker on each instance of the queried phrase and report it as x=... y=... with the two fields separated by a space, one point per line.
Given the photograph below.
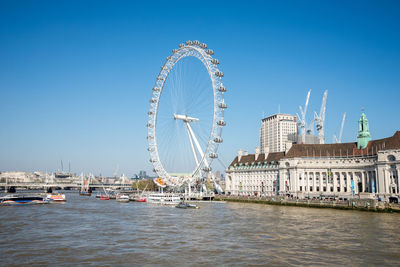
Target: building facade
x=275 y=130
x=342 y=170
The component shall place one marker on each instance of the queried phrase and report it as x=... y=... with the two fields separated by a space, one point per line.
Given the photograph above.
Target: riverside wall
x=371 y=205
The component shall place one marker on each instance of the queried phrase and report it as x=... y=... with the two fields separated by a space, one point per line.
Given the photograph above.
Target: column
x=334 y=177
x=387 y=181
x=314 y=180
x=363 y=181
x=349 y=177
x=397 y=179
x=306 y=184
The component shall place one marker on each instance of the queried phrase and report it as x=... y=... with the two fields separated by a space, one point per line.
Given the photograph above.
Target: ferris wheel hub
x=185 y=118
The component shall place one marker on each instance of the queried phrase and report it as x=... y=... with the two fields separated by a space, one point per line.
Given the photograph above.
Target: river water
x=89 y=231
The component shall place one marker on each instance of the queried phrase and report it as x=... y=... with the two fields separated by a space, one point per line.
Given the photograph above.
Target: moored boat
x=85 y=189
x=164 y=198
x=22 y=200
x=104 y=197
x=140 y=199
x=122 y=198
x=56 y=197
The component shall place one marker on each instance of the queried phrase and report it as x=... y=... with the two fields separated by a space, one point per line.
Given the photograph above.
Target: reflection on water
x=86 y=230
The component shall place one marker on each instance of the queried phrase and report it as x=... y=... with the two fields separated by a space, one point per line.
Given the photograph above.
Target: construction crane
x=116 y=171
x=341 y=130
x=302 y=120
x=320 y=119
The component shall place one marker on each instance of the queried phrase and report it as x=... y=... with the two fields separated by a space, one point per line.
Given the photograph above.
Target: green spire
x=363 y=136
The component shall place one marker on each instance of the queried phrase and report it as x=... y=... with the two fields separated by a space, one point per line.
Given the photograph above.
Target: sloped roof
x=326 y=150
x=344 y=149
x=272 y=157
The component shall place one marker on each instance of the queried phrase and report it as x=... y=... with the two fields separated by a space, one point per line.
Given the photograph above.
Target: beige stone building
x=275 y=130
x=366 y=169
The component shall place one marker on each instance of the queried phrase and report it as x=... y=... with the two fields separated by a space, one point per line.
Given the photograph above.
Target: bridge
x=35 y=185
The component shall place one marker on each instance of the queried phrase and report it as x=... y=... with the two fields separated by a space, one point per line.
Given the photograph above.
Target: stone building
x=275 y=130
x=366 y=168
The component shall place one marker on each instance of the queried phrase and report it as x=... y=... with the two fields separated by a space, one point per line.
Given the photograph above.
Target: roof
x=272 y=157
x=344 y=149
x=325 y=150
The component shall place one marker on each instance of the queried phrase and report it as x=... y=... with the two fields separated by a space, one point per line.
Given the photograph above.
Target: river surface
x=89 y=231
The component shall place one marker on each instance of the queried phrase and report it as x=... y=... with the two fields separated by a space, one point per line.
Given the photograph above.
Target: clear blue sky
x=76 y=76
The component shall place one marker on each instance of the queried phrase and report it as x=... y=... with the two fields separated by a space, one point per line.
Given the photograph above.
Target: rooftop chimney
x=257 y=153
x=239 y=155
x=266 y=152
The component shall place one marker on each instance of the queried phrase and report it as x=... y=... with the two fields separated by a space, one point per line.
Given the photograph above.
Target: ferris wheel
x=195 y=115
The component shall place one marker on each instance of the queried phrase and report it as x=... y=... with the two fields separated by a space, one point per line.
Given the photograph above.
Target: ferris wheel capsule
x=150 y=149
x=188 y=42
x=152 y=160
x=221 y=123
x=203 y=45
x=213 y=155
x=207 y=169
x=210 y=52
x=156 y=89
x=153 y=100
x=222 y=105
x=160 y=78
x=218 y=140
x=181 y=45
x=222 y=89
x=196 y=42
x=219 y=74
x=215 y=61
x=149 y=125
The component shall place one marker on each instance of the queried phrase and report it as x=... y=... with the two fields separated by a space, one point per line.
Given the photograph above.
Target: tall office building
x=275 y=130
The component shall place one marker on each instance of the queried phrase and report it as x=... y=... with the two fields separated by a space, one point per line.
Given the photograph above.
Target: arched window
x=391 y=158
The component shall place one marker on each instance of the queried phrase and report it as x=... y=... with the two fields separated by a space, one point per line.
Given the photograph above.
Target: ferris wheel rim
x=197 y=50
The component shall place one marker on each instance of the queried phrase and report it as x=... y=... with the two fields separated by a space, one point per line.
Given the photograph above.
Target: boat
x=164 y=198
x=85 y=189
x=183 y=205
x=122 y=198
x=22 y=200
x=56 y=197
x=140 y=198
x=104 y=197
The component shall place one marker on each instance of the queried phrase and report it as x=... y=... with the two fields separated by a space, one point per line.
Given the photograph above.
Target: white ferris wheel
x=186 y=115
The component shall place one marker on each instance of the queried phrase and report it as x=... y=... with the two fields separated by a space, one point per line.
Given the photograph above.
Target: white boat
x=164 y=198
x=56 y=197
x=122 y=198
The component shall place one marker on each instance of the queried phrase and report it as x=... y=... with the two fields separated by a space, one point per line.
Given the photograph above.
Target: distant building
x=142 y=175
x=275 y=130
x=366 y=169
x=296 y=138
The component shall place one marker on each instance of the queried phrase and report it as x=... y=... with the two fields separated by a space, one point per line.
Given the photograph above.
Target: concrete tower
x=363 y=136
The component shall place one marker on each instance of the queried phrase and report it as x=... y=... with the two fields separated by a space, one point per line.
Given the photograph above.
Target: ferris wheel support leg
x=191 y=142
x=195 y=140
